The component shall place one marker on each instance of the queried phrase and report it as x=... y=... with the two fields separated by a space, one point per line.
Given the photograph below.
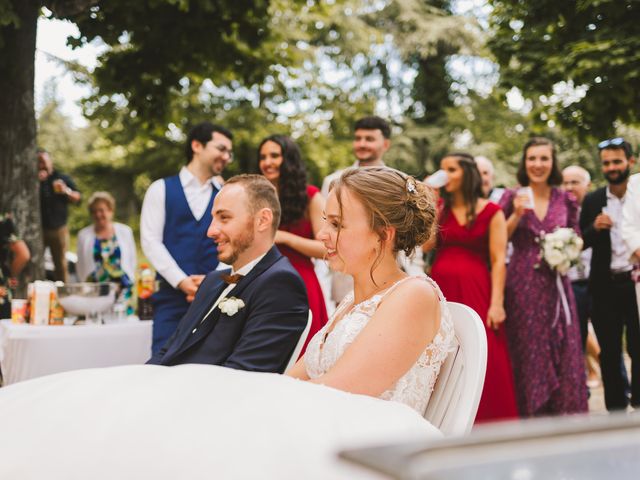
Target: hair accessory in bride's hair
x=411 y=185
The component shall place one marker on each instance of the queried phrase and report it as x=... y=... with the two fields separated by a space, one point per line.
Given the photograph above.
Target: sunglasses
x=612 y=142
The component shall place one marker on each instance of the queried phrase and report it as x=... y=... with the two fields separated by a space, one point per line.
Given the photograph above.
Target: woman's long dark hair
x=292 y=184
x=471 y=186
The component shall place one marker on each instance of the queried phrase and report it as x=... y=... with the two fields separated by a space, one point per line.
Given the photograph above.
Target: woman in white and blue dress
x=389 y=337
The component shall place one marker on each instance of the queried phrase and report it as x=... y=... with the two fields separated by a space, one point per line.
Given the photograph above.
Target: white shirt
x=244 y=271
x=152 y=221
x=326 y=183
x=582 y=270
x=631 y=215
x=496 y=194
x=619 y=252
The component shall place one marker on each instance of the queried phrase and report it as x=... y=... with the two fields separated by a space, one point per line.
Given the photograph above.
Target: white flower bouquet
x=560 y=249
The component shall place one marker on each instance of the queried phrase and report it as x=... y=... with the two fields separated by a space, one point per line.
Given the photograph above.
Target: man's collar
x=217 y=185
x=613 y=196
x=244 y=270
x=186 y=178
x=357 y=164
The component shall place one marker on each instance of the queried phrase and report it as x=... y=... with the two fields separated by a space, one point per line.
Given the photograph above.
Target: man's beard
x=367 y=157
x=619 y=178
x=239 y=245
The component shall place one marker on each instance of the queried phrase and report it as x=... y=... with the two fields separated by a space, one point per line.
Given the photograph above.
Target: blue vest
x=185 y=237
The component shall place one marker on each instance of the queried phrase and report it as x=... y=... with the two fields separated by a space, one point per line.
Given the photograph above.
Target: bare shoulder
x=481 y=203
x=412 y=310
x=416 y=295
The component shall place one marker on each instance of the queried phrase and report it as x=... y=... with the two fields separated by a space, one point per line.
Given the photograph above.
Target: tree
x=426 y=34
x=155 y=45
x=592 y=45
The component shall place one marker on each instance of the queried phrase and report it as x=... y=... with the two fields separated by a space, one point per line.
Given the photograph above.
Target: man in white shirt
x=250 y=317
x=610 y=285
x=487 y=174
x=631 y=218
x=577 y=181
x=371 y=140
x=176 y=213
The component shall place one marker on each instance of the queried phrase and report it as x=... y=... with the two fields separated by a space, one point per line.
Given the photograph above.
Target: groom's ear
x=264 y=220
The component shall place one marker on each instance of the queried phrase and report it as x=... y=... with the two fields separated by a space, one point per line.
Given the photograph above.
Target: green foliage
x=307 y=69
x=156 y=44
x=297 y=94
x=92 y=162
x=591 y=43
x=7 y=16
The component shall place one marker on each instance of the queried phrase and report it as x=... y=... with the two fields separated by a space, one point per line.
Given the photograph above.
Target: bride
x=390 y=335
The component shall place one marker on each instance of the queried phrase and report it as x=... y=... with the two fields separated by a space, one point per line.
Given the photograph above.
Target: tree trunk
x=19 y=187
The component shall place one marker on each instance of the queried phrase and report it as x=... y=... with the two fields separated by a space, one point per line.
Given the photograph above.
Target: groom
x=249 y=318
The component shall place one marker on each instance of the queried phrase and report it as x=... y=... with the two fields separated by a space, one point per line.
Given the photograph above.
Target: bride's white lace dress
x=414 y=387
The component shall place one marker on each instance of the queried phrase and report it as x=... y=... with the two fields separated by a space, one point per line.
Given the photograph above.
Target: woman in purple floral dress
x=543 y=331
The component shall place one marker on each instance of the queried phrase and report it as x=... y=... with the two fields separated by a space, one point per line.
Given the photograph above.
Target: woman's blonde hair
x=392 y=199
x=105 y=197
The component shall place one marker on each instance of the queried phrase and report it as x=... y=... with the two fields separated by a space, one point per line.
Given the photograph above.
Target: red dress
x=461 y=269
x=304 y=266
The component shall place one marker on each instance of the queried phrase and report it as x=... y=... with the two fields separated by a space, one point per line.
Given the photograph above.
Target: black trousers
x=614 y=308
x=583 y=304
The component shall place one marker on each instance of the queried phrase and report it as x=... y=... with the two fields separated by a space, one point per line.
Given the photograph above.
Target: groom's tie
x=235 y=278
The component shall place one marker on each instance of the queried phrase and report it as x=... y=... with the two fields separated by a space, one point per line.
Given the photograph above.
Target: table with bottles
x=29 y=351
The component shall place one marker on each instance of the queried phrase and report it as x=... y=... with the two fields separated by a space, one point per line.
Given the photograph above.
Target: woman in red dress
x=280 y=161
x=469 y=266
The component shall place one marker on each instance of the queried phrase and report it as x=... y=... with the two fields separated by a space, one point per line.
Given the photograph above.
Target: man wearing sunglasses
x=612 y=290
x=176 y=213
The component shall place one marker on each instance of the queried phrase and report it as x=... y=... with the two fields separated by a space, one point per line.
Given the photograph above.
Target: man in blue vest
x=176 y=213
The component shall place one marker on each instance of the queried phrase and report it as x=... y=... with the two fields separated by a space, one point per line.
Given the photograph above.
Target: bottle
x=56 y=312
x=146 y=284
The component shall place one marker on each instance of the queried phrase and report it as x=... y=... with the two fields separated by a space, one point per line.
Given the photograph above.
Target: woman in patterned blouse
x=106 y=249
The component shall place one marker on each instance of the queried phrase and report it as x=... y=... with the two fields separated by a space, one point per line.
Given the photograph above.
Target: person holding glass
x=106 y=249
x=543 y=330
x=469 y=266
x=280 y=161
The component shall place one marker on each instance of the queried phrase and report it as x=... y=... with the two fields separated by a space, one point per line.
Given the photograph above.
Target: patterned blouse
x=107 y=255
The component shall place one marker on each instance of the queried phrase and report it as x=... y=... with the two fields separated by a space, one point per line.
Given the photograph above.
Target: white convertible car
x=191 y=422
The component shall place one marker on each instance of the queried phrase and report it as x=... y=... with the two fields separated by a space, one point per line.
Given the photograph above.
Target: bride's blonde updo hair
x=393 y=199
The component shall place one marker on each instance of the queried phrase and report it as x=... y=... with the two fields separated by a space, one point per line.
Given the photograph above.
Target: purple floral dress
x=544 y=344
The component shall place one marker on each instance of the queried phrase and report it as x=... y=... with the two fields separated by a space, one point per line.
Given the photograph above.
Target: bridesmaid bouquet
x=560 y=249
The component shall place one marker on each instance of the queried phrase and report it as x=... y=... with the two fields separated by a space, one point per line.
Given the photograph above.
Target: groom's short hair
x=261 y=194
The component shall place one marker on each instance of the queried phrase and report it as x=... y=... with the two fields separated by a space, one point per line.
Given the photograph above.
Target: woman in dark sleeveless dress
x=472 y=238
x=280 y=161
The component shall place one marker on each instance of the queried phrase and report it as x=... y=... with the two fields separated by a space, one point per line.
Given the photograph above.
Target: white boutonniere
x=230 y=306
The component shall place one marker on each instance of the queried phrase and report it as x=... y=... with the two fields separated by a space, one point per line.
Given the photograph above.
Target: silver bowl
x=87 y=298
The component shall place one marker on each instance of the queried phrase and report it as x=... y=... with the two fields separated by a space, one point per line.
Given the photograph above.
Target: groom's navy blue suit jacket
x=261 y=336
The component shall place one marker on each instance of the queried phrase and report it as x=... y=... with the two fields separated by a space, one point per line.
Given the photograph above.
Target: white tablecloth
x=29 y=351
